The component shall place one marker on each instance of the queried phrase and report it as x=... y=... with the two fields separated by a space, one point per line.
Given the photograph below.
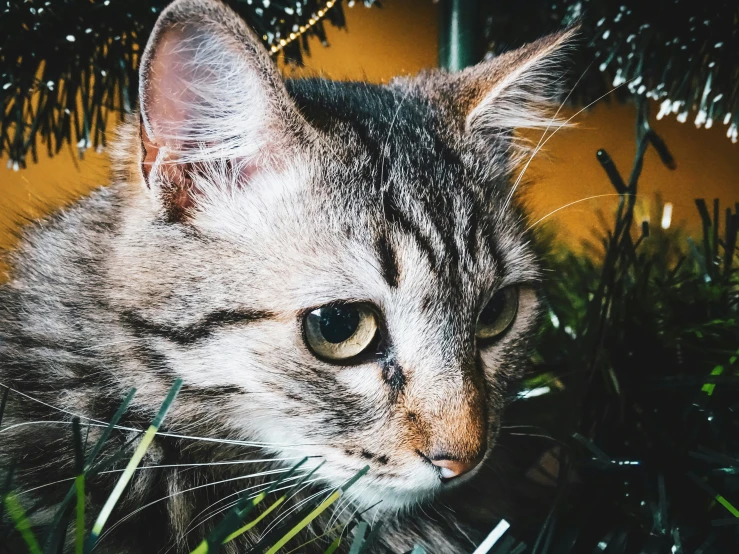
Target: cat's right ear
x=486 y=103
x=209 y=92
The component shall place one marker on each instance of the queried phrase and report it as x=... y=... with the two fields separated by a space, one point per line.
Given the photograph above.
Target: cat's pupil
x=493 y=310
x=338 y=323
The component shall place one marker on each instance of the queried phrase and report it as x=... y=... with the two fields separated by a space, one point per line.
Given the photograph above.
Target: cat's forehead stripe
x=190 y=334
x=395 y=216
x=388 y=260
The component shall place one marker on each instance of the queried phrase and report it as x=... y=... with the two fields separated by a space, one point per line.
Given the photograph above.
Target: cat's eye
x=498 y=315
x=340 y=331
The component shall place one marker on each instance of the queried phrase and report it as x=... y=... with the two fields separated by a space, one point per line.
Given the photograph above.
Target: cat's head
x=336 y=266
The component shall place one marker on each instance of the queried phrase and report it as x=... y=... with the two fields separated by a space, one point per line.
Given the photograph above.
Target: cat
x=338 y=270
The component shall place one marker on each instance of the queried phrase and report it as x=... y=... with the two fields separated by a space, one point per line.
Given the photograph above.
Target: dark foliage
x=682 y=53
x=640 y=353
x=66 y=65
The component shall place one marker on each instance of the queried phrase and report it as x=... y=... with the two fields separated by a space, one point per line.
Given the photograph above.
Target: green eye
x=497 y=316
x=341 y=331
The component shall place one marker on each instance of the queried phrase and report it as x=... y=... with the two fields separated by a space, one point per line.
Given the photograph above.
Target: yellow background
x=401 y=38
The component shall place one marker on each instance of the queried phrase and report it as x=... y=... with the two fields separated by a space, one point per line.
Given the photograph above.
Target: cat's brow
x=190 y=334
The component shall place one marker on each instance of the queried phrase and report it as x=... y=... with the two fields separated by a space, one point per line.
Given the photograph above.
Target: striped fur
x=237 y=206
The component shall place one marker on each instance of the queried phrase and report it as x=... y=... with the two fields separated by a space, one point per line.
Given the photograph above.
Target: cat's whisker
x=541 y=219
x=39 y=422
x=506 y=427
x=354 y=511
x=162 y=499
x=537 y=435
x=26 y=491
x=541 y=144
x=67 y=479
x=389 y=135
x=221 y=510
x=341 y=505
x=233 y=441
x=345 y=503
x=546 y=130
x=85 y=420
x=96 y=423
x=280 y=517
x=208 y=512
x=234 y=462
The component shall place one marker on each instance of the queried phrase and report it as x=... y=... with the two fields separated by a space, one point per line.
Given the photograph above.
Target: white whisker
x=39 y=422
x=85 y=420
x=347 y=501
x=206 y=516
x=236 y=462
x=252 y=495
x=128 y=516
x=572 y=204
x=390 y=134
x=541 y=144
x=284 y=515
x=546 y=130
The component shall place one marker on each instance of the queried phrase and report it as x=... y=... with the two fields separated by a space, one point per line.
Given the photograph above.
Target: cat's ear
x=209 y=92
x=511 y=91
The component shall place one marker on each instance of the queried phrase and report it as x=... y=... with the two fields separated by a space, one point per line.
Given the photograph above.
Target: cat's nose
x=450 y=468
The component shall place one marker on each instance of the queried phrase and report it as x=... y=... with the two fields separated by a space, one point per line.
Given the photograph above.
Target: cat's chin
x=383 y=494
x=381 y=498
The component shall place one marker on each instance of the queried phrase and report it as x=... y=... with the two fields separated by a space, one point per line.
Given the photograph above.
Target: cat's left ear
x=210 y=94
x=514 y=90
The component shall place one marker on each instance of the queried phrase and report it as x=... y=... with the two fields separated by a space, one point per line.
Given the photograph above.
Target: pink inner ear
x=169 y=100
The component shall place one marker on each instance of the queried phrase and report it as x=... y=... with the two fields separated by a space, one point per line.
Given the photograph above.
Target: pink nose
x=449 y=469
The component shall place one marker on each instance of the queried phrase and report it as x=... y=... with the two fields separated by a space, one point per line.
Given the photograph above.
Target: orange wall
x=402 y=38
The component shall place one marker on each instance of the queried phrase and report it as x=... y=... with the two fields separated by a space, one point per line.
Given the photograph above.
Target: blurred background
x=402 y=37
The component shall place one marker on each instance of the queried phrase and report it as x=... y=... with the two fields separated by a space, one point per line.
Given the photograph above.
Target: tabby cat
x=334 y=269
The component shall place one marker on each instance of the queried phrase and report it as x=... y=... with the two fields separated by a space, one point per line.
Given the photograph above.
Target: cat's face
x=339 y=265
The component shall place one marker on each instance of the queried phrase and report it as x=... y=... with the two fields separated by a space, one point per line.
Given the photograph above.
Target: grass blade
x=371 y=538
x=59 y=526
x=333 y=546
x=109 y=429
x=255 y=521
x=493 y=537
x=359 y=537
x=223 y=532
x=79 y=486
x=133 y=463
x=316 y=512
x=23 y=526
x=79 y=537
x=3 y=403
